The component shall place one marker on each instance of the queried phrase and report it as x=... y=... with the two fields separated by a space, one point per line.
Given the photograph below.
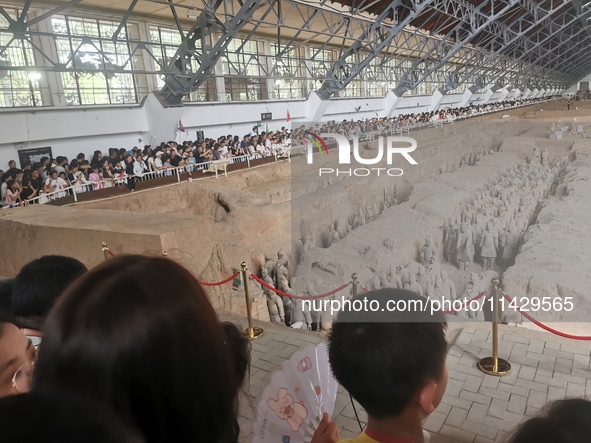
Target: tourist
x=54 y=184
x=404 y=351
x=129 y=171
x=95 y=177
x=36 y=288
x=138 y=334
x=29 y=192
x=12 y=194
x=17 y=359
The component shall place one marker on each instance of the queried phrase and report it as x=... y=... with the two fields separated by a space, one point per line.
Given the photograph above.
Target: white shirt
x=3 y=190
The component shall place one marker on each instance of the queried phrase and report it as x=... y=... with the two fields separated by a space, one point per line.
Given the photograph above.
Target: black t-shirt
x=26 y=193
x=113 y=161
x=37 y=183
x=175 y=161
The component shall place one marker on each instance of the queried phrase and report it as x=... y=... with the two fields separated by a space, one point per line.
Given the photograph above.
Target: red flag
x=181 y=127
x=288 y=116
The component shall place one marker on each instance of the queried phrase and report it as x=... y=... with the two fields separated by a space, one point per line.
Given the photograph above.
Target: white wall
x=451 y=100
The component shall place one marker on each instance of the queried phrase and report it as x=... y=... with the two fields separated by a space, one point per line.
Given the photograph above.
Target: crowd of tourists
x=132 y=351
x=53 y=178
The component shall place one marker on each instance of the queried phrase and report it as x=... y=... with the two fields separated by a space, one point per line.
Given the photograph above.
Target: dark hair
x=80 y=156
x=139 y=334
x=564 y=421
x=384 y=357
x=239 y=348
x=6 y=288
x=38 y=285
x=60 y=418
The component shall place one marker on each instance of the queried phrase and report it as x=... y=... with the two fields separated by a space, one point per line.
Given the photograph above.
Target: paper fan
x=300 y=391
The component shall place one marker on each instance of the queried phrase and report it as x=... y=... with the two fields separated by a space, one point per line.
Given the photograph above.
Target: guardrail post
x=495 y=365
x=105 y=251
x=252 y=333
x=178 y=175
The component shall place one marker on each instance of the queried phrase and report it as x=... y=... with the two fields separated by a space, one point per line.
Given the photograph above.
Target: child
x=392 y=363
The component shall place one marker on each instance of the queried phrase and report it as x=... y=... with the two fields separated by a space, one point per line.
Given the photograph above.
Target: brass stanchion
x=354 y=277
x=105 y=250
x=495 y=365
x=252 y=332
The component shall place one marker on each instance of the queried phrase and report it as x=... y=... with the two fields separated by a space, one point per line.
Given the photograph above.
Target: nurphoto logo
x=387 y=145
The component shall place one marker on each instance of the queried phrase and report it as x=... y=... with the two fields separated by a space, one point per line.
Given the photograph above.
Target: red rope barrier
x=365 y=289
x=299 y=297
x=219 y=283
x=479 y=296
x=547 y=328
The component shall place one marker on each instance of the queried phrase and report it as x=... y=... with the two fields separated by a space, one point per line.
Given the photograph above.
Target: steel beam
x=124 y=20
x=373 y=41
x=178 y=86
x=495 y=48
x=454 y=40
x=53 y=12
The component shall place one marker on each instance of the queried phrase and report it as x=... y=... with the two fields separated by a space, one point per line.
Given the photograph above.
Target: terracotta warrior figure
x=489 y=245
x=413 y=285
x=509 y=242
x=428 y=252
x=465 y=247
x=270 y=267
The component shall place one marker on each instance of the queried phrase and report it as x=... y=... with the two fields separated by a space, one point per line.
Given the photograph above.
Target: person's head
x=38 y=285
x=128 y=159
x=10 y=184
x=11 y=164
x=159 y=361
x=61 y=418
x=53 y=174
x=391 y=362
x=564 y=421
x=80 y=157
x=17 y=357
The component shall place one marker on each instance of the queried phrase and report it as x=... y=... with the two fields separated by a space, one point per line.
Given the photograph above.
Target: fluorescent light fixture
x=34 y=76
x=192 y=13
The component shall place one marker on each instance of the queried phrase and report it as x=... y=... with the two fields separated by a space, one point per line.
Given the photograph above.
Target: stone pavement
x=476 y=407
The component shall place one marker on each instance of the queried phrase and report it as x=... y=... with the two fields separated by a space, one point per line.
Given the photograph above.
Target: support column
x=487 y=96
x=468 y=93
x=504 y=93
x=435 y=100
x=316 y=107
x=392 y=102
x=534 y=93
x=526 y=93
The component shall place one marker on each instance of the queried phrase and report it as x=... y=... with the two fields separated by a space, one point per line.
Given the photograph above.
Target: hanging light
x=34 y=76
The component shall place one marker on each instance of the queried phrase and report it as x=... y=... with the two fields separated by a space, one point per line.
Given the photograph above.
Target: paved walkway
x=476 y=407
